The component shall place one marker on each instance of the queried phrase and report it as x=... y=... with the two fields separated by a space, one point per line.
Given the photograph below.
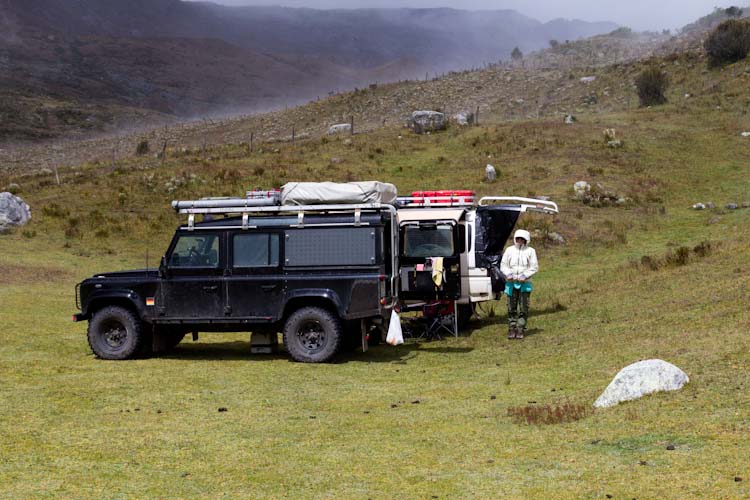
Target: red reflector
x=383 y=301
x=382 y=277
x=74 y=318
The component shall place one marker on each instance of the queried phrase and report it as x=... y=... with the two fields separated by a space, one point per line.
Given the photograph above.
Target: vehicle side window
x=196 y=251
x=256 y=250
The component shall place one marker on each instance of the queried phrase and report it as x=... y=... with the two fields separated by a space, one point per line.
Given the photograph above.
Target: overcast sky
x=638 y=14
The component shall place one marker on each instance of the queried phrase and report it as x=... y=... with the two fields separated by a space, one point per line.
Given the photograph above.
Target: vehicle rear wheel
x=115 y=333
x=312 y=335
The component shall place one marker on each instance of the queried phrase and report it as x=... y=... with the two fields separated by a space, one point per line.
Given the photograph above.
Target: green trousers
x=518 y=318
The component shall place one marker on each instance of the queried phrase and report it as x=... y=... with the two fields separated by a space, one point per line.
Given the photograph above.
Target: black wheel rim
x=312 y=335
x=114 y=334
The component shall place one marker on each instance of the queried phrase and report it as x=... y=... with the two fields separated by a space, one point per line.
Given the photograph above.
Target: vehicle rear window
x=428 y=241
x=256 y=250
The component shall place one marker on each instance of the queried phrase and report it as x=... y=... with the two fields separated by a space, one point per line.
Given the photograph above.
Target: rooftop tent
x=494 y=225
x=321 y=193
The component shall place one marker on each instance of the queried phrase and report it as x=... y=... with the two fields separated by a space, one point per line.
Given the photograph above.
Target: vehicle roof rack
x=526 y=204
x=246 y=207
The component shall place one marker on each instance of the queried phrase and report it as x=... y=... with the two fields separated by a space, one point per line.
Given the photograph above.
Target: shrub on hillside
x=142 y=148
x=652 y=83
x=728 y=43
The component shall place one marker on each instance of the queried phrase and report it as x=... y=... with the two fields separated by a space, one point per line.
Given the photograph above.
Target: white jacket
x=519 y=263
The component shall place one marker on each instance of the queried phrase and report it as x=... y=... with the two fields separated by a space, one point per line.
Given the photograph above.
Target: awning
x=430 y=214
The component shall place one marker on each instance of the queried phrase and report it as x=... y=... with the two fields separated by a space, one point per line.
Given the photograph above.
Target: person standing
x=519 y=264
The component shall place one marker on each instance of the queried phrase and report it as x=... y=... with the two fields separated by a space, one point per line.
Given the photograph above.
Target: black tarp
x=494 y=225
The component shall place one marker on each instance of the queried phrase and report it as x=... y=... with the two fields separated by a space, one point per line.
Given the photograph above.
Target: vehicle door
x=193 y=287
x=255 y=283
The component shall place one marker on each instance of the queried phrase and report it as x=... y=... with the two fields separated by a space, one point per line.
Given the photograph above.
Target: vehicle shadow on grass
x=213 y=351
x=240 y=351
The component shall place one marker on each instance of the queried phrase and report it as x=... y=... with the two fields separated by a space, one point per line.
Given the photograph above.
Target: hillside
x=615 y=293
x=92 y=67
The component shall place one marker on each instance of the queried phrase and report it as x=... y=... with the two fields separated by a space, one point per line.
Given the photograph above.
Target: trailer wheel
x=115 y=333
x=312 y=335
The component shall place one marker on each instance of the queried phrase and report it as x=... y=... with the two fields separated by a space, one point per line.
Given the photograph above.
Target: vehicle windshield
x=428 y=241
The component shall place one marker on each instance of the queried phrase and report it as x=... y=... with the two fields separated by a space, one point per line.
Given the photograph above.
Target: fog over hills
x=193 y=58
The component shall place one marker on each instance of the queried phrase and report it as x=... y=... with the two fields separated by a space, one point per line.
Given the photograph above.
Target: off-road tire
x=115 y=333
x=313 y=335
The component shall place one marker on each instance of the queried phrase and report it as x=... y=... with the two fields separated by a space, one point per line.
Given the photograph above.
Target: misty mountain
x=189 y=58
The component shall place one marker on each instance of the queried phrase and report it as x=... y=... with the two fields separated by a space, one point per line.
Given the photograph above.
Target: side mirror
x=163 y=267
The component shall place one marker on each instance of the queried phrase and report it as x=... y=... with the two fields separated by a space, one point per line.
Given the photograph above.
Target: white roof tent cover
x=444 y=214
x=325 y=193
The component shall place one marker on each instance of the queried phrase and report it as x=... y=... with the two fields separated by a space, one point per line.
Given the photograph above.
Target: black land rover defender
x=324 y=276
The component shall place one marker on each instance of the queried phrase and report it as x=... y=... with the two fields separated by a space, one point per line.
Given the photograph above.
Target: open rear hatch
x=496 y=219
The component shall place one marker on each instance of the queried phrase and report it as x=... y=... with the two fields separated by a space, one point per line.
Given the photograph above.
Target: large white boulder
x=13 y=211
x=637 y=380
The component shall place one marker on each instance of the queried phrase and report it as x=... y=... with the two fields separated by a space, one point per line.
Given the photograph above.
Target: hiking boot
x=511 y=332
x=519 y=333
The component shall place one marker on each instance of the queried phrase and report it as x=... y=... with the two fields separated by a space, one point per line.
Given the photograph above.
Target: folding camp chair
x=440 y=318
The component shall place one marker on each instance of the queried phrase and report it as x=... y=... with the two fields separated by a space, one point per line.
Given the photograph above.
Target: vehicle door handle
x=268 y=288
x=211 y=288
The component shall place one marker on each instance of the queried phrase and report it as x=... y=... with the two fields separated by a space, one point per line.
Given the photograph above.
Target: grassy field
x=428 y=419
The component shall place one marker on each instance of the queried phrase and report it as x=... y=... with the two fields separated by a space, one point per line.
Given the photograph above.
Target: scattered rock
x=570 y=119
x=490 y=173
x=341 y=128
x=699 y=206
x=714 y=220
x=394 y=405
x=347 y=142
x=642 y=378
x=422 y=122
x=745 y=134
x=416 y=402
x=463 y=119
x=615 y=144
x=710 y=205
x=336 y=161
x=670 y=447
x=556 y=238
x=14 y=212
x=610 y=135
x=46 y=171
x=223 y=409
x=588 y=79
x=493 y=397
x=731 y=206
x=746 y=204
x=737 y=479
x=581 y=188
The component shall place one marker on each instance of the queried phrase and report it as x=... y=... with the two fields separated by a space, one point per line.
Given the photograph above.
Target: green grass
x=72 y=426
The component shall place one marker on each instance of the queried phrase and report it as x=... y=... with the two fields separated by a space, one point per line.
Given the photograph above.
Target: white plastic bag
x=395 y=336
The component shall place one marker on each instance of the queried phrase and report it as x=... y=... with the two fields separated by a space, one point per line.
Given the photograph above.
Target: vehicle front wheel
x=115 y=333
x=312 y=335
